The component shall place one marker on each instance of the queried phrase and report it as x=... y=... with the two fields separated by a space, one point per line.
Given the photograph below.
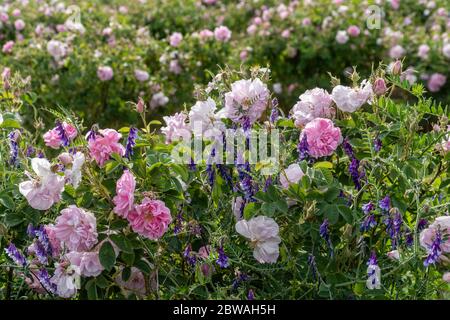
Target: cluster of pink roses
x=150 y=218
x=103 y=144
x=54 y=138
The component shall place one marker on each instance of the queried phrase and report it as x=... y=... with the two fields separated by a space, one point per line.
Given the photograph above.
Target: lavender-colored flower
x=325 y=234
x=434 y=251
x=409 y=239
x=274 y=113
x=267 y=183
x=302 y=148
x=189 y=255
x=354 y=173
x=368 y=223
x=40 y=155
x=16 y=255
x=241 y=277
x=225 y=174
x=192 y=166
x=14 y=148
x=251 y=295
x=91 y=135
x=62 y=133
x=246 y=182
x=423 y=223
x=347 y=197
x=131 y=142
x=393 y=227
x=312 y=264
x=373 y=259
x=385 y=203
x=366 y=208
x=42 y=238
x=44 y=279
x=40 y=252
x=373 y=276
x=222 y=261
x=377 y=145
x=30 y=151
x=348 y=149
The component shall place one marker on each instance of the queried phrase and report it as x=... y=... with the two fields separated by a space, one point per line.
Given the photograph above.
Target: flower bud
x=397 y=68
x=140 y=106
x=379 y=86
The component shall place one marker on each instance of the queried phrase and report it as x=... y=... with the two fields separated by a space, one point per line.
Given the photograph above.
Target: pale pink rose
x=397 y=52
x=105 y=73
x=446 y=277
x=315 y=103
x=436 y=82
x=54 y=242
x=176 y=128
x=252 y=29
x=4 y=17
x=263 y=235
x=353 y=31
x=423 y=51
x=43 y=192
x=174 y=66
x=56 y=49
x=105 y=143
x=124 y=199
x=204 y=252
x=19 y=25
x=65 y=158
x=206 y=34
x=175 y=39
x=322 y=137
x=291 y=175
x=8 y=46
x=341 y=37
x=243 y=55
x=88 y=262
x=446 y=50
x=379 y=86
x=247 y=99
x=135 y=284
x=350 y=99
x=395 y=4
x=150 y=219
x=66 y=278
x=141 y=75
x=427 y=236
x=222 y=33
x=61 y=28
x=286 y=33
x=306 y=22
x=52 y=139
x=76 y=229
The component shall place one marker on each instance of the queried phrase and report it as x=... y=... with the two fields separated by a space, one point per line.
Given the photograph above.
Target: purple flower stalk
x=267 y=184
x=14 y=148
x=274 y=113
x=385 y=203
x=178 y=224
x=192 y=166
x=62 y=133
x=423 y=223
x=131 y=142
x=242 y=277
x=302 y=148
x=222 y=261
x=348 y=149
x=189 y=256
x=225 y=174
x=354 y=173
x=44 y=279
x=30 y=151
x=366 y=208
x=15 y=255
x=373 y=259
x=325 y=234
x=377 y=145
x=312 y=264
x=250 y=295
x=368 y=223
x=91 y=135
x=435 y=251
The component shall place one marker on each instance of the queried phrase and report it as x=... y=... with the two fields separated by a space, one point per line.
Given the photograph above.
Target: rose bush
x=354 y=204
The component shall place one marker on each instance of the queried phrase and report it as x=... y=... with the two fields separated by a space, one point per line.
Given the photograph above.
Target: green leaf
x=123 y=243
x=13 y=219
x=91 y=289
x=107 y=255
x=332 y=214
x=7 y=201
x=111 y=166
x=249 y=210
x=143 y=266
x=126 y=273
x=346 y=213
x=10 y=123
x=128 y=258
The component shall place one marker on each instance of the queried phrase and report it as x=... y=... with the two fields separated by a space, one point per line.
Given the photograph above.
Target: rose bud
x=379 y=86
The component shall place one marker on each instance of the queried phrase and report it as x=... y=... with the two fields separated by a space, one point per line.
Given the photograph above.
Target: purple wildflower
x=189 y=255
x=302 y=148
x=354 y=173
x=241 y=277
x=62 y=133
x=225 y=174
x=368 y=223
x=312 y=264
x=178 y=224
x=348 y=149
x=434 y=251
x=14 y=147
x=274 y=113
x=16 y=255
x=30 y=151
x=91 y=135
x=222 y=261
x=131 y=142
x=366 y=208
x=423 y=223
x=325 y=234
x=377 y=145
x=192 y=166
x=409 y=239
x=44 y=279
x=385 y=203
x=373 y=259
x=268 y=183
x=250 y=295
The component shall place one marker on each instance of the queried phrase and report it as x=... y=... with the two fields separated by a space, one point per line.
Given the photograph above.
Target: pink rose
x=222 y=33
x=315 y=103
x=353 y=31
x=322 y=137
x=150 y=219
x=88 y=262
x=104 y=144
x=76 y=228
x=141 y=75
x=176 y=128
x=52 y=139
x=436 y=82
x=19 y=25
x=105 y=73
x=8 y=46
x=175 y=39
x=124 y=199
